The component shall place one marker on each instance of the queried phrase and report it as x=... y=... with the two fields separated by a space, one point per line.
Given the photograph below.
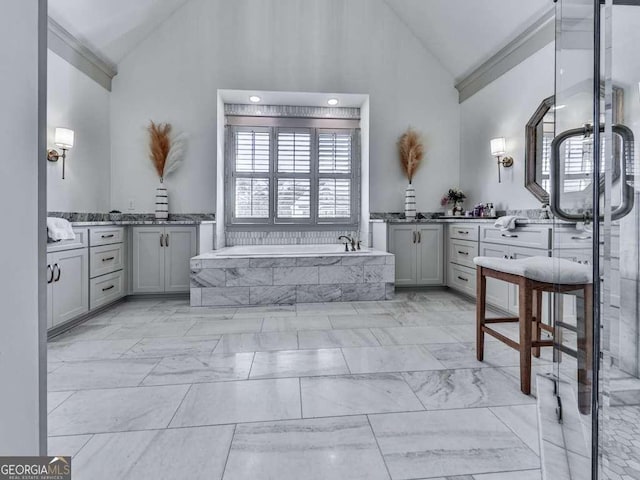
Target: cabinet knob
x=56 y=266
x=108 y=259
x=161 y=237
x=49 y=274
x=166 y=239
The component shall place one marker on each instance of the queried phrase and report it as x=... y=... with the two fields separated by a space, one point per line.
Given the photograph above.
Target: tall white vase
x=410 y=202
x=162 y=202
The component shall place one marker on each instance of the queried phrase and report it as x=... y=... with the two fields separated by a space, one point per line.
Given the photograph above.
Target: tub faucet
x=349 y=240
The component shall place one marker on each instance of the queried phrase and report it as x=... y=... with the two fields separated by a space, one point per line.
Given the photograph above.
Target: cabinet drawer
x=532 y=237
x=106 y=289
x=81 y=241
x=462 y=279
x=105 y=235
x=463 y=232
x=105 y=259
x=462 y=252
x=572 y=238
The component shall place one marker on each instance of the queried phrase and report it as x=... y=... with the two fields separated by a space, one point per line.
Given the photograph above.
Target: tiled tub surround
x=265 y=275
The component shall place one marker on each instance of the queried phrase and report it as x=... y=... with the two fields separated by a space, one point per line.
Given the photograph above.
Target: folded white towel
x=59 y=229
x=506 y=223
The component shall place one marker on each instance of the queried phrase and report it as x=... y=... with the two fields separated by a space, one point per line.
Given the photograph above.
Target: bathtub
x=289 y=274
x=287 y=250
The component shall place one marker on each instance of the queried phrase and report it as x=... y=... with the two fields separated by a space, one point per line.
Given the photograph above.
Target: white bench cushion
x=541 y=269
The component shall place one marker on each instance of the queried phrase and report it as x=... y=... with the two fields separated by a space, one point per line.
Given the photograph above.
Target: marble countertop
x=524 y=221
x=142 y=222
x=78 y=219
x=527 y=217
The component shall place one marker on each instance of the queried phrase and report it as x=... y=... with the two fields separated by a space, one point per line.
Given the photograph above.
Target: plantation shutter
x=251 y=166
x=291 y=175
x=334 y=170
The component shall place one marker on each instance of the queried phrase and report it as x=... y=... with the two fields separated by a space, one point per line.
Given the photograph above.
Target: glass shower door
x=619 y=376
x=596 y=358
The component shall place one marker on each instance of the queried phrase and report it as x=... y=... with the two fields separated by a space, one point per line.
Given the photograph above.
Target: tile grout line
x=539 y=455
x=345 y=361
x=379 y=447
x=179 y=405
x=300 y=390
x=415 y=394
x=226 y=460
x=141 y=382
x=253 y=359
x=58 y=406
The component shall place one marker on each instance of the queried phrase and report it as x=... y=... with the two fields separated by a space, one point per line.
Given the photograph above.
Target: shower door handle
x=627 y=175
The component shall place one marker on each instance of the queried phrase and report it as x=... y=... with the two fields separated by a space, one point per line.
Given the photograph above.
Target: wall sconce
x=63 y=138
x=498 y=149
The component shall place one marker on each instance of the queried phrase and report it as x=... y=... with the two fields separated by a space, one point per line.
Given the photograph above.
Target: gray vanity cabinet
x=160 y=256
x=419 y=252
x=67 y=285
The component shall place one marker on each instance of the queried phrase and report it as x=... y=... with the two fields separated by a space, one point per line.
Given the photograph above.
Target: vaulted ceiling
x=112 y=28
x=462 y=34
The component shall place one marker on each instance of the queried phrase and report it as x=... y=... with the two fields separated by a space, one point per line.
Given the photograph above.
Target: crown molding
x=532 y=39
x=65 y=45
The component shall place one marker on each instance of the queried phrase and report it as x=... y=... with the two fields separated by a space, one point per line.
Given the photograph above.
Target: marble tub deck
x=156 y=389
x=218 y=279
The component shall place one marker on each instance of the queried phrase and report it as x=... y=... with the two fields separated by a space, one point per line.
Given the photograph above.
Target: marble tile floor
x=353 y=390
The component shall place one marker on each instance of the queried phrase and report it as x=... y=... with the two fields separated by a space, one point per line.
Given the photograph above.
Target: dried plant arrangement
x=166 y=154
x=159 y=145
x=411 y=151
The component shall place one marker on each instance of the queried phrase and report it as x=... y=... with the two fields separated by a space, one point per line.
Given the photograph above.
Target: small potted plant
x=454 y=197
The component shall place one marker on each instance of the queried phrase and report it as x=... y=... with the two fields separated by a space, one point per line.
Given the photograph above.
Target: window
x=293 y=175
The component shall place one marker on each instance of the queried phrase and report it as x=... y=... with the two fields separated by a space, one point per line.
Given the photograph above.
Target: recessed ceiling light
x=254 y=99
x=333 y=102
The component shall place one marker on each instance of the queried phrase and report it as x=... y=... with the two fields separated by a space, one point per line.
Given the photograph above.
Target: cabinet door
x=70 y=287
x=148 y=260
x=430 y=255
x=517 y=253
x=402 y=244
x=497 y=290
x=180 y=246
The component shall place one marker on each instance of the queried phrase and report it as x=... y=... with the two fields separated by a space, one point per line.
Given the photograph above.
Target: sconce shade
x=63 y=138
x=498 y=146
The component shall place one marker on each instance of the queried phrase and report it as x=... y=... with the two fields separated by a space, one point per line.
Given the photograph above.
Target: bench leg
x=481 y=312
x=537 y=313
x=526 y=311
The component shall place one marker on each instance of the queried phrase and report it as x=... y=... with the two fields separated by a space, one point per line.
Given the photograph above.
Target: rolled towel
x=59 y=229
x=506 y=223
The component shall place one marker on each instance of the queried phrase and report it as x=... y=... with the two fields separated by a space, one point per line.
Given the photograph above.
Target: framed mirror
x=539 y=133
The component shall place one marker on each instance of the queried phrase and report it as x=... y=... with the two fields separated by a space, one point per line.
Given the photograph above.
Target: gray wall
x=354 y=46
x=76 y=101
x=22 y=247
x=502 y=109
